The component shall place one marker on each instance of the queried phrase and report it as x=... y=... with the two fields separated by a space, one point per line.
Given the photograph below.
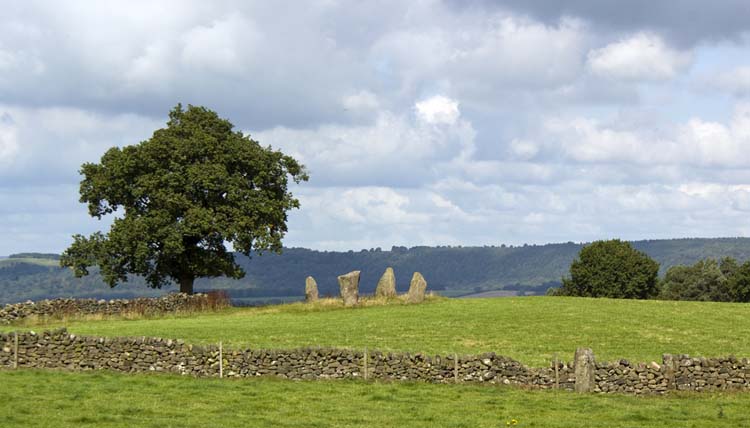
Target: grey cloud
x=685 y=22
x=277 y=70
x=268 y=68
x=42 y=218
x=54 y=142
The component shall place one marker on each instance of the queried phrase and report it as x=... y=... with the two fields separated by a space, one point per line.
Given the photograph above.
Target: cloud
x=222 y=46
x=48 y=145
x=398 y=150
x=373 y=216
x=523 y=149
x=42 y=217
x=362 y=101
x=427 y=122
x=688 y=22
x=643 y=56
x=8 y=139
x=735 y=81
x=438 y=110
x=144 y=58
x=696 y=142
x=479 y=57
x=507 y=50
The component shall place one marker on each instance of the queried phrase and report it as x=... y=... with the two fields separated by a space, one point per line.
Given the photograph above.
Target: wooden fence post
x=221 y=361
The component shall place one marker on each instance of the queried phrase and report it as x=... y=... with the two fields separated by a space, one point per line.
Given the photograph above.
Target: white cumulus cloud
x=643 y=56
x=225 y=45
x=736 y=81
x=438 y=110
x=697 y=142
x=397 y=149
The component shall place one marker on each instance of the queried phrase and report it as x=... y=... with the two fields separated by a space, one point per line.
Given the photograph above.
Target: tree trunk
x=186 y=285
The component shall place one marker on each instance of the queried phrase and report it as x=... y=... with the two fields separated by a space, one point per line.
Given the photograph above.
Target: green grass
x=57 y=399
x=530 y=329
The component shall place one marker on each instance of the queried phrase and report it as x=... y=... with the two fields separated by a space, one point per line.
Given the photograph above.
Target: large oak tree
x=179 y=197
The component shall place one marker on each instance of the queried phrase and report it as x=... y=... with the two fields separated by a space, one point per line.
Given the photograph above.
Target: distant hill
x=453 y=271
x=44 y=256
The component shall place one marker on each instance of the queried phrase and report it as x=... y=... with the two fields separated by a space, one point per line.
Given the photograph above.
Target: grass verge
x=38 y=398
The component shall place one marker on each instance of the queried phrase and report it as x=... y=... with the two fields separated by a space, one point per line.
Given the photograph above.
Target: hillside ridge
x=450 y=270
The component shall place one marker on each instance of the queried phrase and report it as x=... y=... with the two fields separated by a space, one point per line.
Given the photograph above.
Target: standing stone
x=349 y=286
x=311 y=289
x=387 y=284
x=584 y=368
x=417 y=289
x=669 y=367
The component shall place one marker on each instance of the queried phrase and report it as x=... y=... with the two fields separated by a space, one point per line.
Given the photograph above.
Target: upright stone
x=349 y=286
x=311 y=289
x=387 y=284
x=417 y=288
x=584 y=369
x=668 y=368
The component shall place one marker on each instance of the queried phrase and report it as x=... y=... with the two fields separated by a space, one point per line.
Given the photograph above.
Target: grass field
x=530 y=329
x=57 y=399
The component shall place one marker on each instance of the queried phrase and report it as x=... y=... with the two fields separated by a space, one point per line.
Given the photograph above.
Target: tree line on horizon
x=614 y=269
x=452 y=271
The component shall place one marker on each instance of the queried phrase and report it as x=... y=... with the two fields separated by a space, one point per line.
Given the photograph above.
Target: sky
x=421 y=123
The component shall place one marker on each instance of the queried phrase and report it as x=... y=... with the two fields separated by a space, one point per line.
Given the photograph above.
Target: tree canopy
x=611 y=269
x=179 y=197
x=706 y=280
x=738 y=283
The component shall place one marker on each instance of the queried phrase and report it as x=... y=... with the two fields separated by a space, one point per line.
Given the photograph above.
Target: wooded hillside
x=450 y=270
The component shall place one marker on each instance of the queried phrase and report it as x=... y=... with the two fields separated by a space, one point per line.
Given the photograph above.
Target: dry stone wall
x=175 y=302
x=62 y=350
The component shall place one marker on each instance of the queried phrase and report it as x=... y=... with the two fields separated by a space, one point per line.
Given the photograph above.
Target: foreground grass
x=58 y=399
x=530 y=329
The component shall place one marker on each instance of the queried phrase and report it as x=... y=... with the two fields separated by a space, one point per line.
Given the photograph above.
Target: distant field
x=57 y=399
x=29 y=260
x=494 y=293
x=530 y=329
